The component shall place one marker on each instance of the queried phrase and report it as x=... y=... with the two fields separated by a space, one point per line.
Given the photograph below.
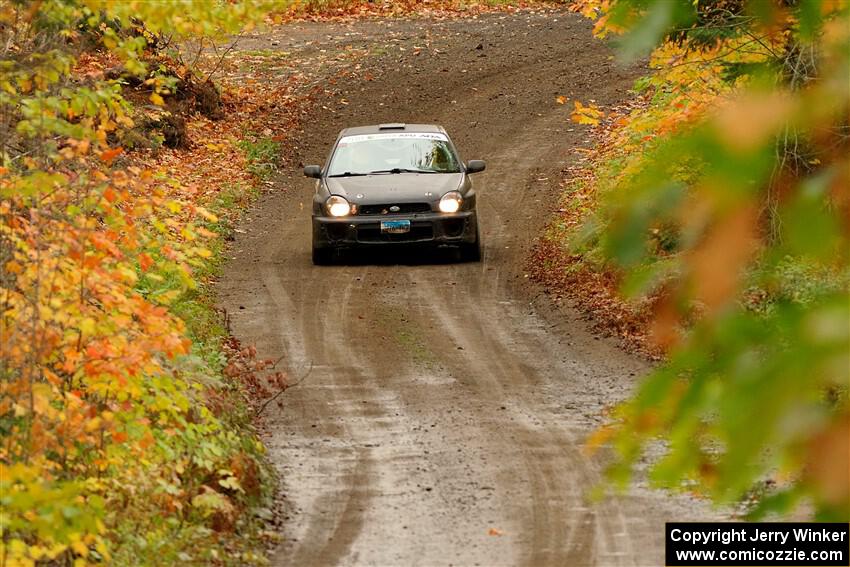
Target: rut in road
x=443 y=421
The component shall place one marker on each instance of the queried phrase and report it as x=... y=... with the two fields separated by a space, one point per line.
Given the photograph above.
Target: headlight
x=450 y=203
x=337 y=206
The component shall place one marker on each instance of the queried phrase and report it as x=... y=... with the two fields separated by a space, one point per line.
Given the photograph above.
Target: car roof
x=392 y=127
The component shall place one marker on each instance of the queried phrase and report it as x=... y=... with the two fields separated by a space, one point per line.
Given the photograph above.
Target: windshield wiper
x=348 y=174
x=403 y=170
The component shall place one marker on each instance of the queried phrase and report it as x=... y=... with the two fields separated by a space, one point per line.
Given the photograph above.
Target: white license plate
x=395 y=226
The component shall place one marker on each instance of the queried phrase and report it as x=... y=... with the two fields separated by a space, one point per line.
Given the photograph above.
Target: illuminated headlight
x=450 y=203
x=337 y=206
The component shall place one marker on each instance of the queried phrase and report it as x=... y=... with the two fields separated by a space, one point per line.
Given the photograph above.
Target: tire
x=471 y=252
x=323 y=256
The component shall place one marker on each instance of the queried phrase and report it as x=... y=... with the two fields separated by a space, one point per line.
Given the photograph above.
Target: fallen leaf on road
x=589 y=114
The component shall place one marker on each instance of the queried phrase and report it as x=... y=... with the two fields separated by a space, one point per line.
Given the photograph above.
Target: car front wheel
x=323 y=256
x=471 y=252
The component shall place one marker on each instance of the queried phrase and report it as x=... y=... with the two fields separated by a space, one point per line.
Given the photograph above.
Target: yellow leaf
x=93 y=424
x=589 y=114
x=561 y=99
x=168 y=296
x=56 y=550
x=206 y=214
x=156 y=99
x=103 y=550
x=231 y=482
x=87 y=326
x=80 y=548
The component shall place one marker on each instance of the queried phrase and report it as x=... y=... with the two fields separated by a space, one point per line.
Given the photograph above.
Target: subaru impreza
x=391 y=185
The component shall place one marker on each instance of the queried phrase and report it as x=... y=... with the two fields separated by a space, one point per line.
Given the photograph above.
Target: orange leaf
x=828 y=460
x=95 y=351
x=14 y=267
x=52 y=378
x=718 y=264
x=110 y=154
x=145 y=262
x=147 y=440
x=664 y=329
x=597 y=439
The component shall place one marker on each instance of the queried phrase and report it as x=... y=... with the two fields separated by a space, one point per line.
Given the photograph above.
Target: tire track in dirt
x=325 y=543
x=444 y=405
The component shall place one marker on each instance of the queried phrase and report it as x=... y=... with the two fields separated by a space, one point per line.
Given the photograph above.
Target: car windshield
x=401 y=152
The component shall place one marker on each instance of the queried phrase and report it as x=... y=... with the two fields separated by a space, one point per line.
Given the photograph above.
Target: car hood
x=394 y=187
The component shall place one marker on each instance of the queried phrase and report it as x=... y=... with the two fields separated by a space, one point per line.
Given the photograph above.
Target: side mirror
x=475 y=165
x=313 y=171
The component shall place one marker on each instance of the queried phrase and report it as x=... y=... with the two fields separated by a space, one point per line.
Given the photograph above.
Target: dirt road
x=443 y=420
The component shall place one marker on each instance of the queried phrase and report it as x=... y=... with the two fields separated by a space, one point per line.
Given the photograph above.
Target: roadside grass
x=217 y=533
x=270 y=53
x=262 y=154
x=263 y=60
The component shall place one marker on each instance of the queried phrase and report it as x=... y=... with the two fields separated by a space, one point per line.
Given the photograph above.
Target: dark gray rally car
x=394 y=184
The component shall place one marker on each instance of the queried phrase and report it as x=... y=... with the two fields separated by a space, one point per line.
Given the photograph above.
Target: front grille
x=403 y=209
x=418 y=232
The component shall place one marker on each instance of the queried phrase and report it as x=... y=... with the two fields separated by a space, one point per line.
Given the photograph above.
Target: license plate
x=395 y=226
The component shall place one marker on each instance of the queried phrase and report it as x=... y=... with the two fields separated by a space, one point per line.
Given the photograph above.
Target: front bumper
x=425 y=228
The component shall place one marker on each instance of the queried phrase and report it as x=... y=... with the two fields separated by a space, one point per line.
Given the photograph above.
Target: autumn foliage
x=718 y=203
x=122 y=438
